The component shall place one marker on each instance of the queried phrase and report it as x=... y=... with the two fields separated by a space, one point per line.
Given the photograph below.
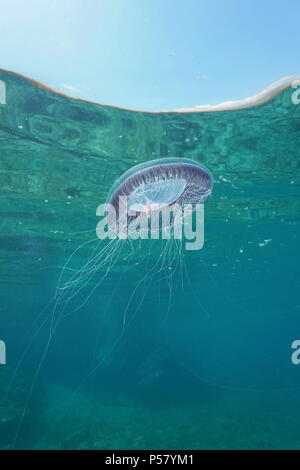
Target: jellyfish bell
x=153 y=187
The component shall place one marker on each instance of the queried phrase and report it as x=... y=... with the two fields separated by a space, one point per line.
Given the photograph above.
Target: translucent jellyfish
x=150 y=190
x=147 y=192
x=153 y=186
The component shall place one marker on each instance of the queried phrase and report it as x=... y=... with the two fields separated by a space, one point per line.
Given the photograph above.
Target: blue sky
x=152 y=54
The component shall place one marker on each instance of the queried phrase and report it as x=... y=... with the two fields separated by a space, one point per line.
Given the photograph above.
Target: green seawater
x=205 y=362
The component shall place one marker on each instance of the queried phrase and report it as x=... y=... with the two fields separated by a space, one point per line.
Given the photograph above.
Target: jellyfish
x=155 y=185
x=151 y=191
x=157 y=190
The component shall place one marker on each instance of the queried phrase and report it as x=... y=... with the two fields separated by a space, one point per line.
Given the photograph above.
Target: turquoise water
x=205 y=359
